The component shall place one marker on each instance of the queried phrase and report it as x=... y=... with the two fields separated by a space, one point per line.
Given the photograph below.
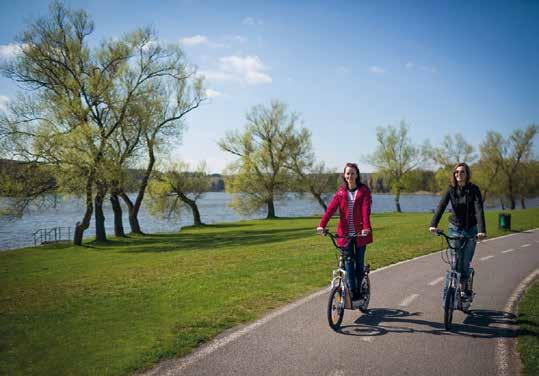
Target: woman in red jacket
x=353 y=199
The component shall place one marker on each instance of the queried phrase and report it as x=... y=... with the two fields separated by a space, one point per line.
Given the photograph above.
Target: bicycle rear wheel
x=335 y=308
x=449 y=306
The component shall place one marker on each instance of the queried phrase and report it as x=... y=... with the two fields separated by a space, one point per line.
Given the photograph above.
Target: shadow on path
x=477 y=324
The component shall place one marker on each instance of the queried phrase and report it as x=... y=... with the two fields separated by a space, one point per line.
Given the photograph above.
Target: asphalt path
x=402 y=334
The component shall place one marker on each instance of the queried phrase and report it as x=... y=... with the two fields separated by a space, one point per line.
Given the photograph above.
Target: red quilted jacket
x=361 y=210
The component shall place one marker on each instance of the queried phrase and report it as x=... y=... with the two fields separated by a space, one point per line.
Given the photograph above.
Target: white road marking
x=436 y=281
x=525 y=245
x=508 y=250
x=408 y=300
x=486 y=258
x=505 y=347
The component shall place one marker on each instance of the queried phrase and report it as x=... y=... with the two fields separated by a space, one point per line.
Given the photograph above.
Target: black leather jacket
x=467 y=205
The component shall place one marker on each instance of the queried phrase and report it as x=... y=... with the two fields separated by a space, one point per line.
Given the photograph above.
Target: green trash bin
x=504 y=221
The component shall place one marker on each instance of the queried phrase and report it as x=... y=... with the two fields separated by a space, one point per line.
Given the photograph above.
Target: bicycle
x=452 y=297
x=340 y=297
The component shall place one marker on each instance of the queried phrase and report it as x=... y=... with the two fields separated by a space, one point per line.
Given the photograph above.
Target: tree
x=179 y=184
x=161 y=116
x=487 y=172
x=454 y=150
x=310 y=176
x=508 y=156
x=81 y=98
x=395 y=156
x=263 y=152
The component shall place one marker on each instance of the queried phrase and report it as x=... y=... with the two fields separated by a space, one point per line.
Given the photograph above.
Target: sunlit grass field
x=528 y=336
x=121 y=306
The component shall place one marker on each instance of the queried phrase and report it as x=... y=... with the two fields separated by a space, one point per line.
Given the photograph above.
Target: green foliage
x=262 y=174
x=178 y=184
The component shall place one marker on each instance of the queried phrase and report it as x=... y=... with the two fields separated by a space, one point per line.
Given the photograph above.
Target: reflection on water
x=213 y=207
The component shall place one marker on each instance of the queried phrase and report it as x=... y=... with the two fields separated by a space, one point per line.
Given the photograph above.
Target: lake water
x=213 y=206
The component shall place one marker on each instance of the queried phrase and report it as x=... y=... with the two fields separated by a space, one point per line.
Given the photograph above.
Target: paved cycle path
x=403 y=334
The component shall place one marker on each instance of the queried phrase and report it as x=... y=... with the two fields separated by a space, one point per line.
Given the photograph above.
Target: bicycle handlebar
x=326 y=232
x=441 y=233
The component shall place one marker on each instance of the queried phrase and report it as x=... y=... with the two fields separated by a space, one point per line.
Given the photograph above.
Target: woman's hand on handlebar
x=434 y=230
x=365 y=232
x=321 y=231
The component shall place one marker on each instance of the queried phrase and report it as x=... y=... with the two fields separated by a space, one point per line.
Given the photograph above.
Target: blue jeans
x=463 y=265
x=354 y=262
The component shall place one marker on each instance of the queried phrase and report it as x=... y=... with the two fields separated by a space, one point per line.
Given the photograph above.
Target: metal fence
x=49 y=235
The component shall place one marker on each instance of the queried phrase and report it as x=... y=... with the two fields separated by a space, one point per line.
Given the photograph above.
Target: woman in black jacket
x=467 y=218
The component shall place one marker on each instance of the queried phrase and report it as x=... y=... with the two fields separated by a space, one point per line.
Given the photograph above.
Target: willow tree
x=179 y=185
x=309 y=175
x=395 y=157
x=161 y=117
x=260 y=173
x=82 y=97
x=454 y=150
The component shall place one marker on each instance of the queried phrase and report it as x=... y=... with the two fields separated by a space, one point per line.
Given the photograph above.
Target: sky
x=346 y=67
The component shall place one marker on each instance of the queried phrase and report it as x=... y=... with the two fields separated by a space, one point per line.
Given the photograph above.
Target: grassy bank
x=528 y=336
x=116 y=307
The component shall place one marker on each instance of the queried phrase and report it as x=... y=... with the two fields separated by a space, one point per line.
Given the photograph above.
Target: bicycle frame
x=339 y=274
x=452 y=276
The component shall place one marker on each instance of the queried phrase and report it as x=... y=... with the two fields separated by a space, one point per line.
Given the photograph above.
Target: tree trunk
x=100 y=232
x=318 y=197
x=134 y=208
x=117 y=209
x=511 y=195
x=133 y=215
x=397 y=200
x=85 y=223
x=271 y=210
x=194 y=208
x=522 y=201
x=502 y=204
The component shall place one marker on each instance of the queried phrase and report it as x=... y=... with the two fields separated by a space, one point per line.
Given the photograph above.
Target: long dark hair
x=468 y=174
x=358 y=178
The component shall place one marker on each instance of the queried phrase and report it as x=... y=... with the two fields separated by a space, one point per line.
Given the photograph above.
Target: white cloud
x=8 y=51
x=3 y=102
x=423 y=68
x=377 y=70
x=210 y=93
x=194 y=40
x=251 y=21
x=248 y=70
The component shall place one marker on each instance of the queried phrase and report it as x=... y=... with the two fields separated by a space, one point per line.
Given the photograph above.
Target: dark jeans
x=354 y=263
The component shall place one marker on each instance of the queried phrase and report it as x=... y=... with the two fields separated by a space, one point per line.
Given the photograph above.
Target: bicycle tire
x=366 y=291
x=335 y=309
x=449 y=306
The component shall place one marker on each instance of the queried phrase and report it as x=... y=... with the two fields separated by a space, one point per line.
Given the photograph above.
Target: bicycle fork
x=452 y=279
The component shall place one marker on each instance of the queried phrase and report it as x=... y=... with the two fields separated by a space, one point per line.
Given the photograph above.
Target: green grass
x=121 y=306
x=528 y=336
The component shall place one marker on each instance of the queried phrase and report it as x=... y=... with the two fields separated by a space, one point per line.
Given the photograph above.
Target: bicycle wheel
x=335 y=308
x=448 y=307
x=366 y=291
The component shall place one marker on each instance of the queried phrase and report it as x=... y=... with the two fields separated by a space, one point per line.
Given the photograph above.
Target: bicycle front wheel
x=449 y=306
x=335 y=308
x=366 y=291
